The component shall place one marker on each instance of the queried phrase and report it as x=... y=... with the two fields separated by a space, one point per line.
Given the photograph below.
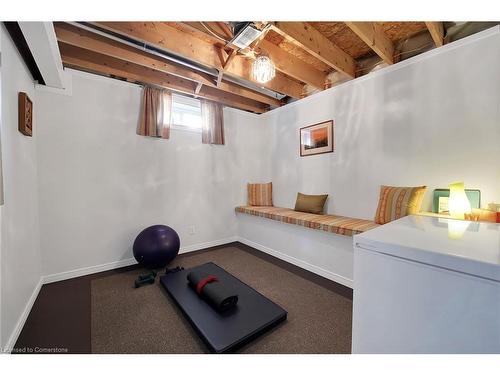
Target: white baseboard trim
x=127 y=262
x=87 y=270
x=299 y=263
x=22 y=319
x=205 y=245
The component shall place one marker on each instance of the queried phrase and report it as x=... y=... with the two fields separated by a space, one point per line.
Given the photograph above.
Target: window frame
x=187 y=101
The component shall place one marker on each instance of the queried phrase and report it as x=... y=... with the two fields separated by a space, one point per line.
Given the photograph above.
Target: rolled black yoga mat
x=218 y=294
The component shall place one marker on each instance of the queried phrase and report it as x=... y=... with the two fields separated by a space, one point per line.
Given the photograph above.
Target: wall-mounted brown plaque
x=25 y=114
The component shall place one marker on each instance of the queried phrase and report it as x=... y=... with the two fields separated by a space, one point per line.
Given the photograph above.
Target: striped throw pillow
x=260 y=194
x=396 y=202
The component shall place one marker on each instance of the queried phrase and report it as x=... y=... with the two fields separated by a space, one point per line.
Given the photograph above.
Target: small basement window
x=186 y=113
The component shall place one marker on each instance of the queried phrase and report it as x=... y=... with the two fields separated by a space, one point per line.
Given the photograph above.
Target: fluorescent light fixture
x=246 y=36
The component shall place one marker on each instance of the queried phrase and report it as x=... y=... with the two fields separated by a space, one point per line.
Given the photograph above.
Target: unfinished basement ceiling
x=198 y=58
x=280 y=41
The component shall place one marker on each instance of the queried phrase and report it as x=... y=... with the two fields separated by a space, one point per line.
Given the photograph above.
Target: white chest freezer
x=427 y=285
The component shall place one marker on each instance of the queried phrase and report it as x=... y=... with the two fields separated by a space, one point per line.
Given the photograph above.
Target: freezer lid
x=463 y=246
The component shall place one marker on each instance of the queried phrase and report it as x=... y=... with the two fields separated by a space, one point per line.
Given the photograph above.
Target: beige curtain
x=212 y=123
x=155 y=113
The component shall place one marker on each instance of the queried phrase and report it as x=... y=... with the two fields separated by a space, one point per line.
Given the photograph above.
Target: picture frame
x=440 y=199
x=25 y=114
x=317 y=139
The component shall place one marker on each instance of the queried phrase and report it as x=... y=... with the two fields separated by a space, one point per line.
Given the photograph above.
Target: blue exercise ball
x=156 y=246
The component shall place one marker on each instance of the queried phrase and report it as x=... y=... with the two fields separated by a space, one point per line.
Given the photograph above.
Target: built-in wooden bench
x=329 y=223
x=318 y=251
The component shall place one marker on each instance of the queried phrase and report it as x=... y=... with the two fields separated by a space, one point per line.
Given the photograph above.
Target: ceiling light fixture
x=263 y=69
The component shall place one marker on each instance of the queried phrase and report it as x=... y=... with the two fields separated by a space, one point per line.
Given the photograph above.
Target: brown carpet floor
x=146 y=320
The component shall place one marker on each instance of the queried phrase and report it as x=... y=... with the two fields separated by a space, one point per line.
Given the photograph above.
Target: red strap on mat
x=201 y=284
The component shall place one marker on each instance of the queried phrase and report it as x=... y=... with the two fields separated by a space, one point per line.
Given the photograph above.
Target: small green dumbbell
x=147 y=275
x=143 y=281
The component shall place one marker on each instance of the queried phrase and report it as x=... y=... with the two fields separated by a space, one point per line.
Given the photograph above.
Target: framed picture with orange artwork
x=316 y=139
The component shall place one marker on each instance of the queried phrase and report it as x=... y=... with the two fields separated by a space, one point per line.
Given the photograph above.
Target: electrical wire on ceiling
x=213 y=32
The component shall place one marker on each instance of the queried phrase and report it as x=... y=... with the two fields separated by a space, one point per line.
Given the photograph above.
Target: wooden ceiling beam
x=436 y=29
x=83 y=59
x=229 y=58
x=374 y=36
x=75 y=36
x=182 y=44
x=283 y=61
x=224 y=27
x=224 y=97
x=78 y=37
x=308 y=38
x=221 y=32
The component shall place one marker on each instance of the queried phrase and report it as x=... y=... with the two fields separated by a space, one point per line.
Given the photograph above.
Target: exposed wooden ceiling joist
x=304 y=54
x=175 y=41
x=229 y=58
x=85 y=39
x=374 y=36
x=436 y=29
x=208 y=31
x=283 y=61
x=80 y=58
x=218 y=28
x=310 y=39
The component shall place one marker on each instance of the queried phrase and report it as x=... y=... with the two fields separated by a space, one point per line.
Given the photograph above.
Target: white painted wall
x=100 y=183
x=430 y=120
x=254 y=147
x=20 y=240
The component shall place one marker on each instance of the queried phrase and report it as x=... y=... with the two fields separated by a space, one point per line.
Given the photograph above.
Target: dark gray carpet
x=146 y=320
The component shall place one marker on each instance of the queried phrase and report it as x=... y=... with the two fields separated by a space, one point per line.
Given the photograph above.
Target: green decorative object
x=473 y=195
x=148 y=278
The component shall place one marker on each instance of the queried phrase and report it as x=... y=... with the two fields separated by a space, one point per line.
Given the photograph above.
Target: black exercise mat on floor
x=224 y=332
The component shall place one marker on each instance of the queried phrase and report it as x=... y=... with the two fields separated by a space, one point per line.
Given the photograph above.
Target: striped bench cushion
x=329 y=223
